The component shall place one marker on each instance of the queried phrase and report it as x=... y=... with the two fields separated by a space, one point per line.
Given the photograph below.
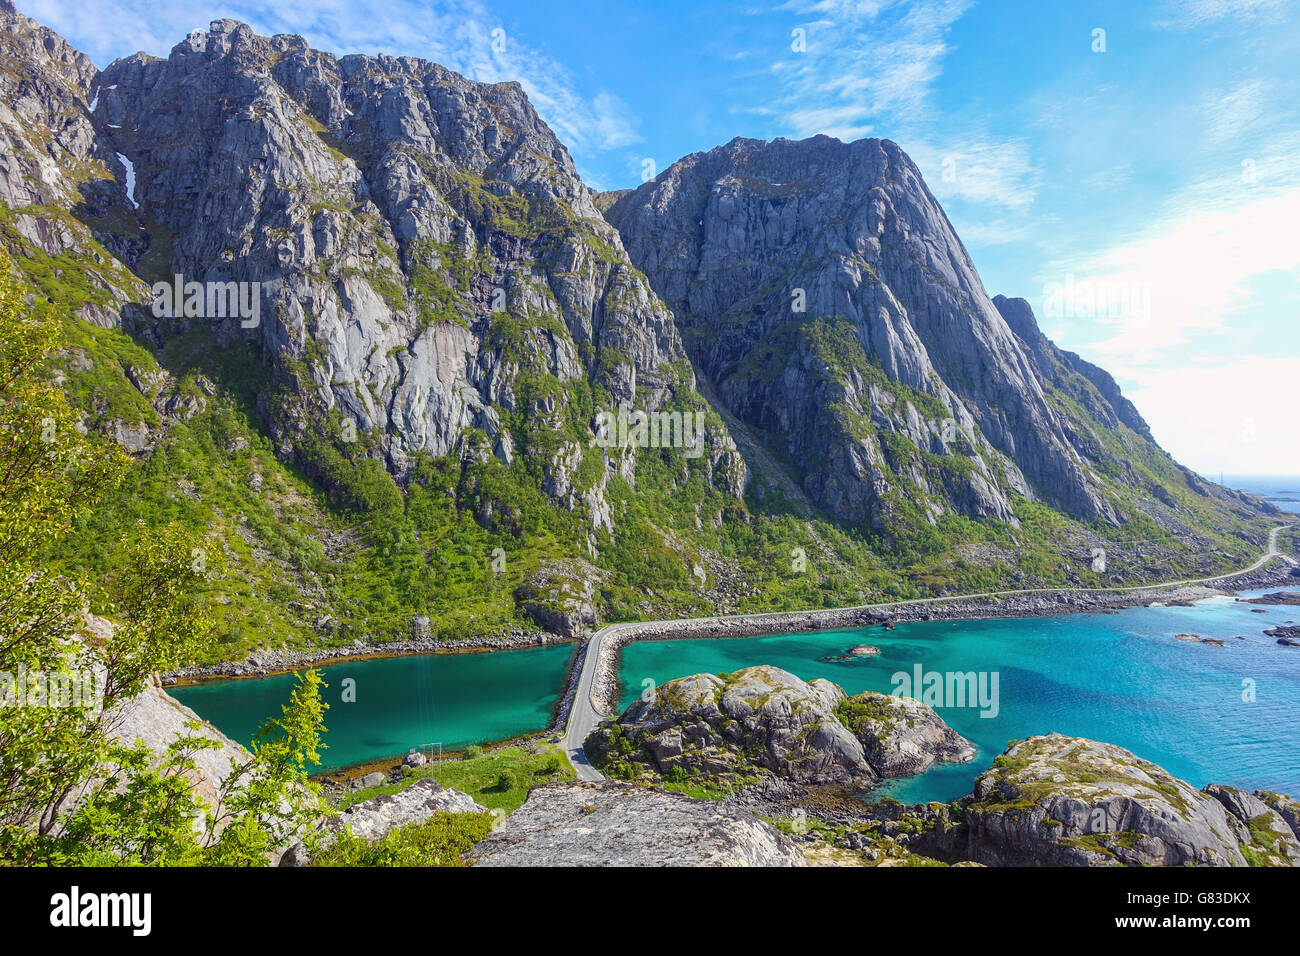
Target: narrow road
x=584 y=715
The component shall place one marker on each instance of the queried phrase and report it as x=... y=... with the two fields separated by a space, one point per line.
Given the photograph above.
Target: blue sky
x=1140 y=186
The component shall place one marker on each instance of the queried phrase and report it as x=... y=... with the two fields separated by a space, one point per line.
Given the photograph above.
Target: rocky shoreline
x=283 y=661
x=604 y=694
x=605 y=687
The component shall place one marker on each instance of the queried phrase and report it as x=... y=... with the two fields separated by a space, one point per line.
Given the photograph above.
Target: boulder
x=1054 y=800
x=766 y=721
x=901 y=736
x=621 y=824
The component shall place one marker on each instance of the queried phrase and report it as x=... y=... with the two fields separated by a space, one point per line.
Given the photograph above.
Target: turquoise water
x=1120 y=678
x=402 y=702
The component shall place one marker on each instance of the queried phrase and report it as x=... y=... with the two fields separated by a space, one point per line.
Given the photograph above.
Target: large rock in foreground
x=1066 y=801
x=764 y=720
x=156 y=719
x=621 y=824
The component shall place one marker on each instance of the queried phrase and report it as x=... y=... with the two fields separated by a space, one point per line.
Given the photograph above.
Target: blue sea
x=1281 y=490
x=1206 y=714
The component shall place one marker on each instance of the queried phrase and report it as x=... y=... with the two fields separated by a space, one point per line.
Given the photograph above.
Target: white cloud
x=1210 y=401
x=1197 y=268
x=458 y=34
x=865 y=62
x=1195 y=13
x=869 y=69
x=1237 y=417
x=978 y=170
x=1230 y=114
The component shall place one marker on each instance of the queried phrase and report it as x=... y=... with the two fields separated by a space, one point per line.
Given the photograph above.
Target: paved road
x=584 y=715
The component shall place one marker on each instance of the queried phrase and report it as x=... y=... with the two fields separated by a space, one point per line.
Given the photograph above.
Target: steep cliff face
x=424 y=282
x=55 y=160
x=429 y=260
x=823 y=290
x=1104 y=402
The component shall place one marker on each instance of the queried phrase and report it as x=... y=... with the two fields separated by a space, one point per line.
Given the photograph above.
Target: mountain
x=827 y=297
x=450 y=393
x=438 y=264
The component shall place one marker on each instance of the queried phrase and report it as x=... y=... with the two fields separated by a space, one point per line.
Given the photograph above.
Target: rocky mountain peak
x=823 y=290
x=432 y=291
x=396 y=214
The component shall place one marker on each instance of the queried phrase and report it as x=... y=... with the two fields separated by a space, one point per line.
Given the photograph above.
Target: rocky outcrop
x=620 y=824
x=156 y=719
x=561 y=599
x=900 y=736
x=1067 y=801
x=764 y=720
x=1278 y=599
x=1266 y=824
x=373 y=818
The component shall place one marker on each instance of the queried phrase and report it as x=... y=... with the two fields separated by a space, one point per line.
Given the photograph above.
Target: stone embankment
x=1033 y=604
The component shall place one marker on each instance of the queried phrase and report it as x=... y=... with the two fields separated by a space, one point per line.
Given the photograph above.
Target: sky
x=1131 y=168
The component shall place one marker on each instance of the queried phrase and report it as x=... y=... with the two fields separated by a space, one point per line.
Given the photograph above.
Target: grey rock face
x=1288 y=808
x=1266 y=833
x=1066 y=801
x=45 y=129
x=764 y=719
x=823 y=290
x=1105 y=401
x=619 y=824
x=429 y=260
x=157 y=719
x=902 y=737
x=373 y=818
x=55 y=156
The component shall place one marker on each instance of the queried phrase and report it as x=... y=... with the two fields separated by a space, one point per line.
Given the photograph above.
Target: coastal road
x=585 y=714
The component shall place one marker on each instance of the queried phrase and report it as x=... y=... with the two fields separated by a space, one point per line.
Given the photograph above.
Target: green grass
x=442 y=840
x=480 y=777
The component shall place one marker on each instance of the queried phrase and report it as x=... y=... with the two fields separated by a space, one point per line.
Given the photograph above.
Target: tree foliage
x=71 y=791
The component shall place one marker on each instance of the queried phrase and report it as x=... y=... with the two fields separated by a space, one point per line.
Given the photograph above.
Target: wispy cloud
x=1185 y=14
x=1231 y=113
x=869 y=69
x=979 y=170
x=1197 y=263
x=864 y=63
x=463 y=35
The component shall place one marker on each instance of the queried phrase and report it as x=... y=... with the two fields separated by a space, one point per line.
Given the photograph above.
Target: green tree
x=70 y=792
